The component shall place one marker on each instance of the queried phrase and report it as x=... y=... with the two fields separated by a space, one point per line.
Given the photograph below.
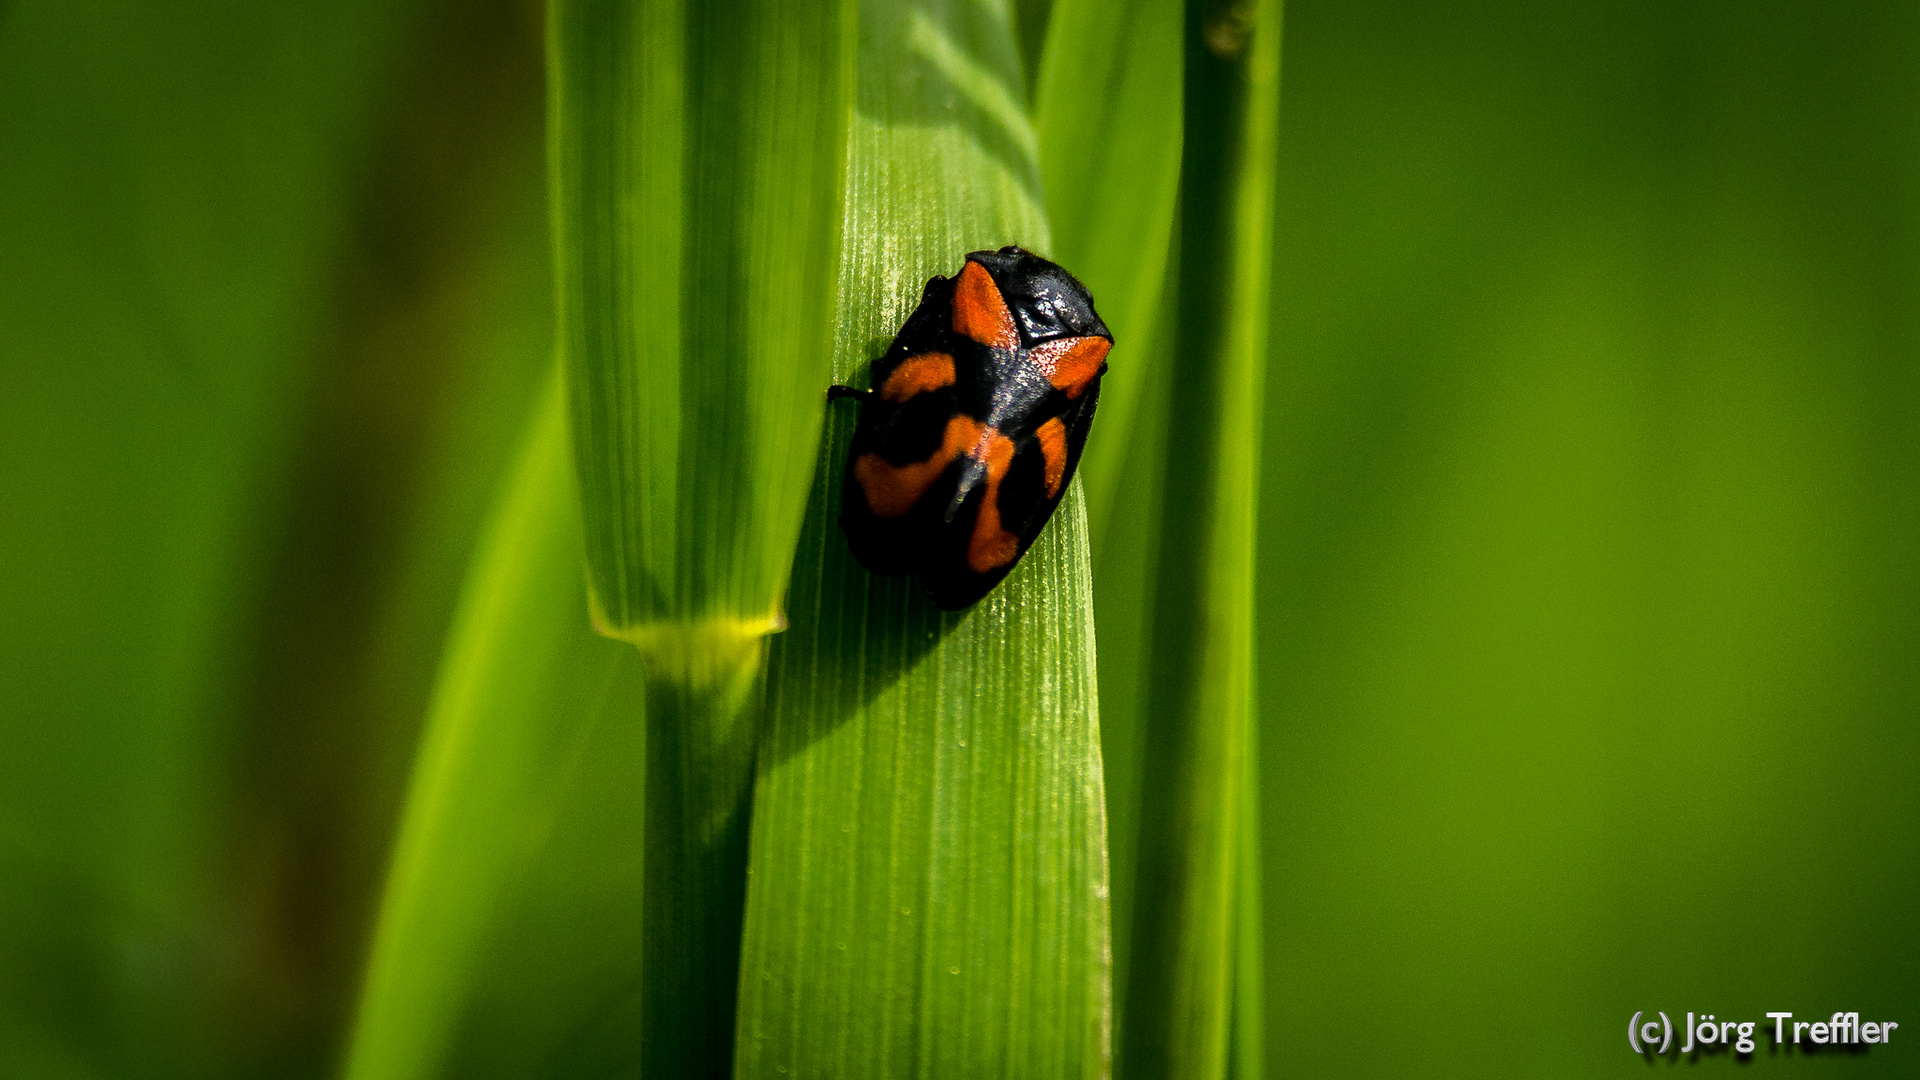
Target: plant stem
x=1178 y=1022
x=701 y=739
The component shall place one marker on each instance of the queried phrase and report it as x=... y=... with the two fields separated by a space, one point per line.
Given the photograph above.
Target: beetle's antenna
x=837 y=391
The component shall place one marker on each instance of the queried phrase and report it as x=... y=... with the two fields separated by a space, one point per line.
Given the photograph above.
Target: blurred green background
x=1589 y=598
x=1590 y=550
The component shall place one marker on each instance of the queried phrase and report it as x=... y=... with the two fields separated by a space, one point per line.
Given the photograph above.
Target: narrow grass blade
x=1248 y=1051
x=438 y=336
x=928 y=877
x=1180 y=1007
x=1030 y=21
x=698 y=156
x=698 y=160
x=1108 y=113
x=1127 y=548
x=534 y=718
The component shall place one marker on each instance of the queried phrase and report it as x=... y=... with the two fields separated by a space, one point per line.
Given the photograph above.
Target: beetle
x=973 y=424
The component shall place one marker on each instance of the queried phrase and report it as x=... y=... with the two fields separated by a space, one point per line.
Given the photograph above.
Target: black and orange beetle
x=974 y=424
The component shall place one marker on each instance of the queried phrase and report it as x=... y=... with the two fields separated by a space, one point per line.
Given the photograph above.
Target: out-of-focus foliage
x=163 y=234
x=271 y=279
x=1585 y=569
x=507 y=935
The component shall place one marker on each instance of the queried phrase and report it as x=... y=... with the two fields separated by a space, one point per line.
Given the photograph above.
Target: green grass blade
x=1248 y=1060
x=1179 y=1010
x=698 y=158
x=1108 y=113
x=534 y=719
x=1030 y=21
x=928 y=885
x=1126 y=550
x=698 y=155
x=439 y=336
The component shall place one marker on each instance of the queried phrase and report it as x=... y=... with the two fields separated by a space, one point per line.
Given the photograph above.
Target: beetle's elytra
x=974 y=423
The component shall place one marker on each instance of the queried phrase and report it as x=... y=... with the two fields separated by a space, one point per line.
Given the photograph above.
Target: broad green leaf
x=528 y=781
x=698 y=159
x=173 y=179
x=928 y=890
x=1182 y=985
x=1108 y=114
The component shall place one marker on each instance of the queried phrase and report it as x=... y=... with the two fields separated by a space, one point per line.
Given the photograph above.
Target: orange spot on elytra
x=891 y=490
x=916 y=374
x=980 y=312
x=1053 y=451
x=991 y=546
x=1070 y=363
